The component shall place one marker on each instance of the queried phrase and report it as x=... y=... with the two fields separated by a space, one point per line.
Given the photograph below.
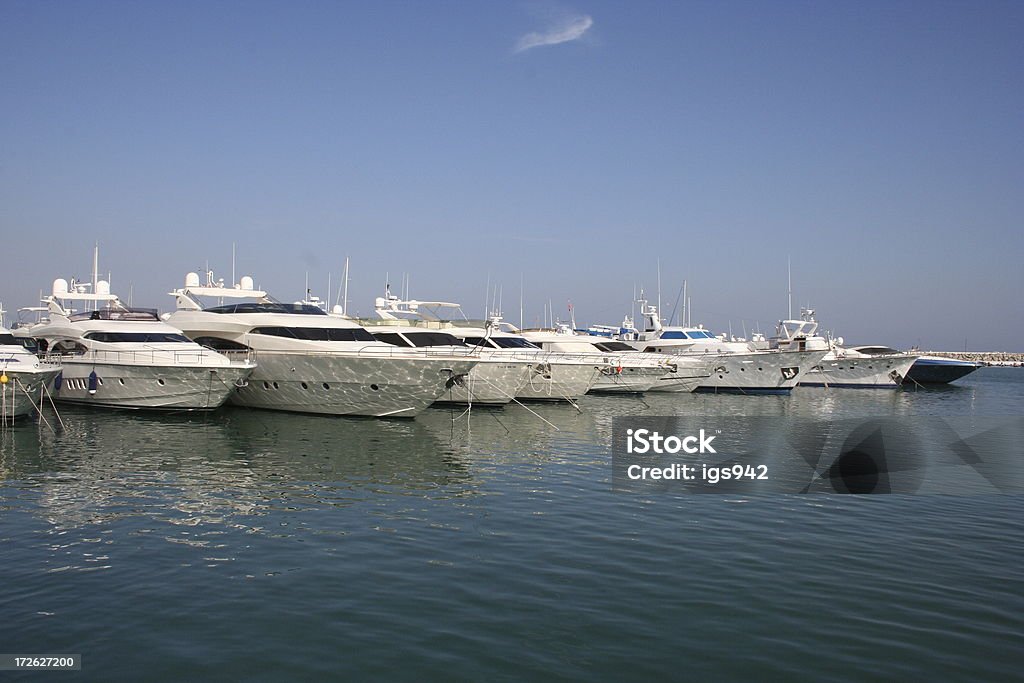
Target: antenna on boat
x=487 y=294
x=520 y=300
x=683 y=319
x=789 y=276
x=95 y=272
x=344 y=303
x=689 y=320
x=233 y=264
x=659 y=288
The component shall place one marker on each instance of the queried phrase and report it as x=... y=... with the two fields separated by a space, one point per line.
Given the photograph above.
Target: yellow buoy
x=4 y=379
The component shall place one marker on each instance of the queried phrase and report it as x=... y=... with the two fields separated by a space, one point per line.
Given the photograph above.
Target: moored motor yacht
x=939 y=370
x=552 y=376
x=623 y=368
x=495 y=380
x=735 y=366
x=842 y=366
x=123 y=357
x=24 y=377
x=312 y=362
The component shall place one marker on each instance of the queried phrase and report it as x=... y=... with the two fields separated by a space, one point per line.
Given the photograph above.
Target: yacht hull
x=148 y=387
x=23 y=390
x=491 y=382
x=758 y=372
x=935 y=370
x=551 y=381
x=874 y=372
x=626 y=380
x=348 y=384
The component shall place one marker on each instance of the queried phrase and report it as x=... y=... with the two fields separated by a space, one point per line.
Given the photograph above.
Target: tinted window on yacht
x=479 y=341
x=513 y=343
x=317 y=333
x=614 y=346
x=701 y=335
x=144 y=314
x=144 y=337
x=391 y=338
x=218 y=344
x=674 y=334
x=8 y=340
x=432 y=339
x=267 y=307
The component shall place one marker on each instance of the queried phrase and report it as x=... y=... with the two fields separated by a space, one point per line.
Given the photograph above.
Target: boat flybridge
x=735 y=366
x=309 y=361
x=841 y=366
x=123 y=357
x=550 y=376
x=24 y=376
x=623 y=368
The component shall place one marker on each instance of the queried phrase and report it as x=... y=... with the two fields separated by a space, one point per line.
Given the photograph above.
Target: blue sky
x=573 y=145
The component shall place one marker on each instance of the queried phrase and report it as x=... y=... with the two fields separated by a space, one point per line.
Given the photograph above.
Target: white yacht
x=312 y=362
x=494 y=381
x=856 y=366
x=551 y=377
x=24 y=377
x=735 y=366
x=623 y=368
x=121 y=357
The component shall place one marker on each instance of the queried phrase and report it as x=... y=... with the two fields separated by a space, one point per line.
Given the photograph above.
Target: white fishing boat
x=122 y=357
x=24 y=377
x=735 y=366
x=842 y=366
x=312 y=362
x=552 y=376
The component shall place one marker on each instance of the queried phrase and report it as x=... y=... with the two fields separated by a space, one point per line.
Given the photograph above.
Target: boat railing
x=143 y=357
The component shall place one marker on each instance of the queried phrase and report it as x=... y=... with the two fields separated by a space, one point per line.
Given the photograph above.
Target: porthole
x=266 y=385
x=99 y=380
x=743 y=369
x=160 y=382
x=326 y=385
x=120 y=381
x=375 y=387
x=275 y=385
x=305 y=386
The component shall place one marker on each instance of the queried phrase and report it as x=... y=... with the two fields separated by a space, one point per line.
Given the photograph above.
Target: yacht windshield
x=7 y=339
x=267 y=307
x=138 y=337
x=332 y=334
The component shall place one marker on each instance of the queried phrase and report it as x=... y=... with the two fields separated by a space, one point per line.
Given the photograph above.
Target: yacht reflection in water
x=103 y=469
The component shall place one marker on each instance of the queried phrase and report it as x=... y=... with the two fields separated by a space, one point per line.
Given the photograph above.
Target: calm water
x=262 y=546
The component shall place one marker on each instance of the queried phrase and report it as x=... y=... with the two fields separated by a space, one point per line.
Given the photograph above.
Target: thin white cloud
x=565 y=31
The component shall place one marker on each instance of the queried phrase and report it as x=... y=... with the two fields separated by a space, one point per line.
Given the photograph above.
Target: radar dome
x=247 y=282
x=60 y=286
x=192 y=280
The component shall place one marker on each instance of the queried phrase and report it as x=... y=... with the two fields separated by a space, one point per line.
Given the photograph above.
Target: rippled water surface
x=251 y=545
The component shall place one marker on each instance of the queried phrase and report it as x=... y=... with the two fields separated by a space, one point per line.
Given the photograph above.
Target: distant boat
x=938 y=370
